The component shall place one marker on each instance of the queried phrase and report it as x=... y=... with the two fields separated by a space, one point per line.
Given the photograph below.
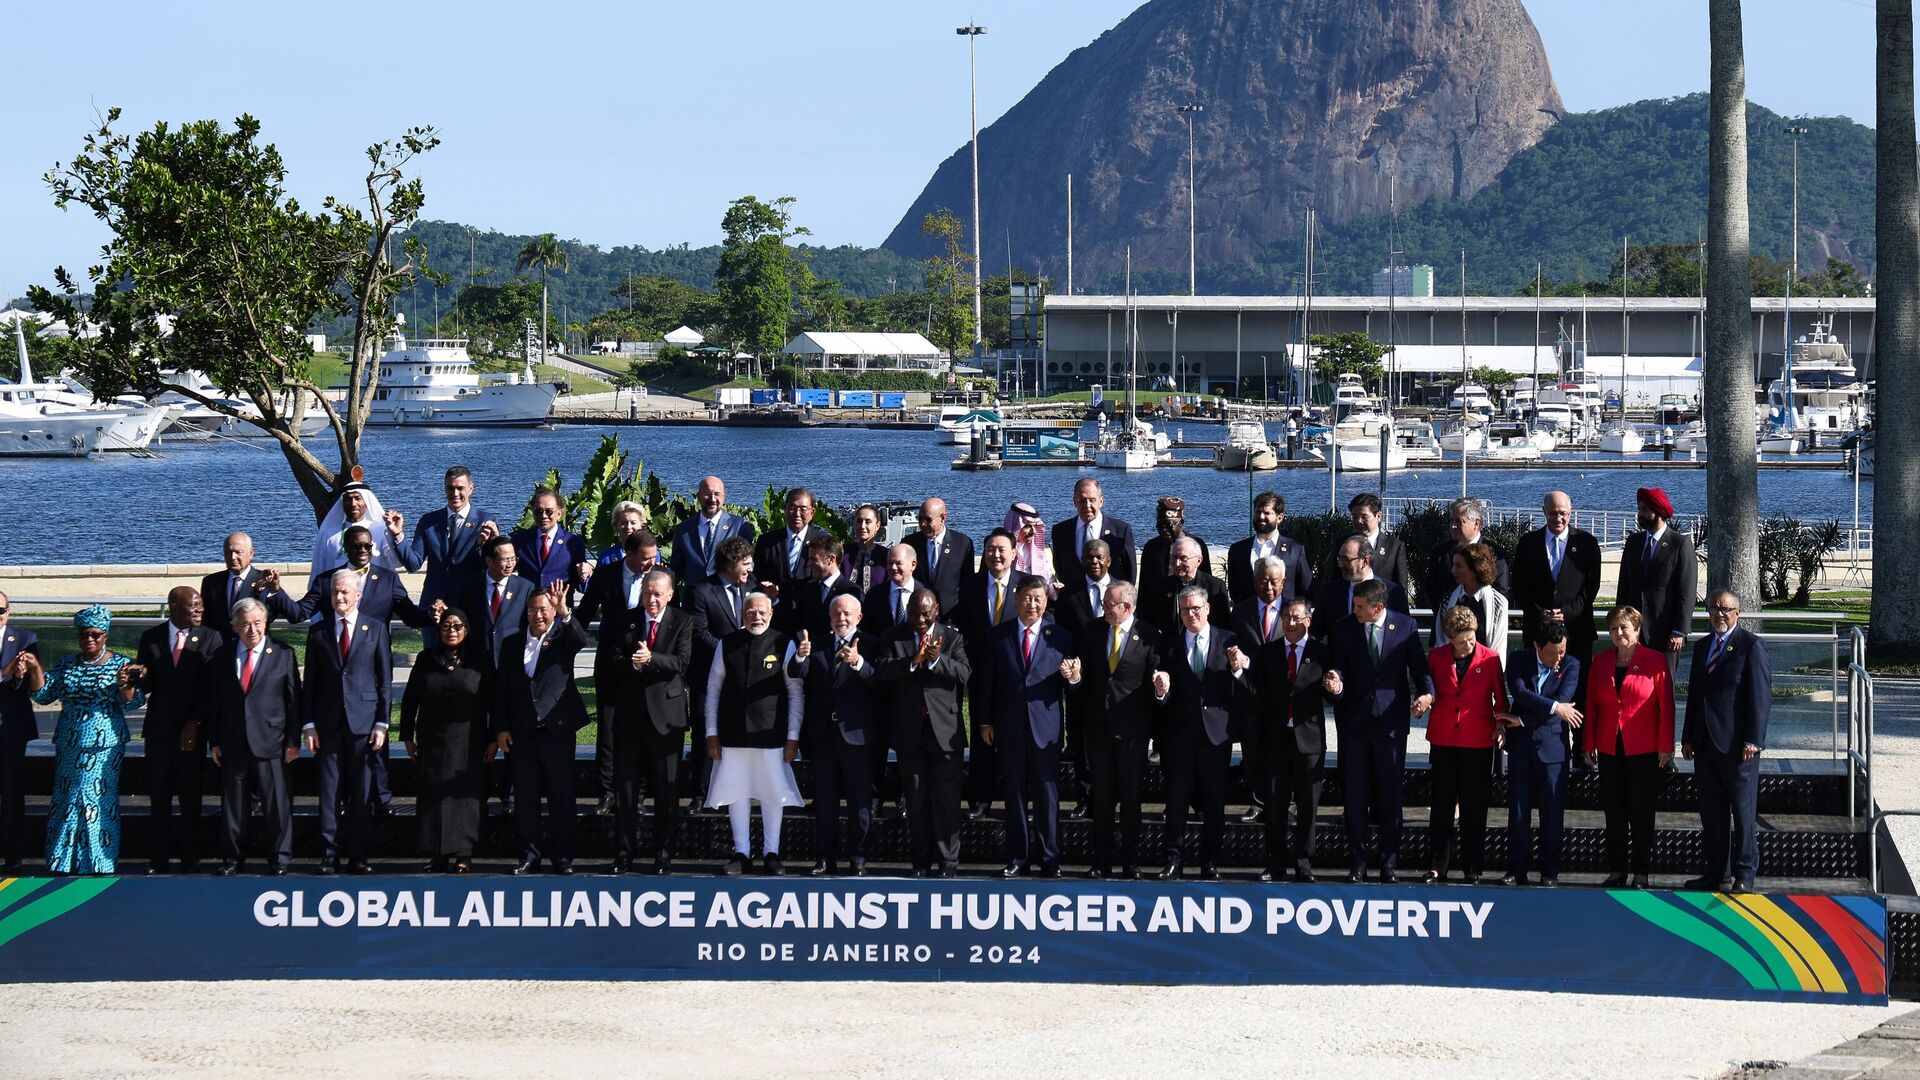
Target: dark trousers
x=1629 y=783
x=543 y=768
x=1531 y=784
x=1463 y=781
x=1117 y=768
x=345 y=762
x=606 y=770
x=1077 y=751
x=13 y=802
x=1372 y=770
x=643 y=755
x=1196 y=774
x=1253 y=767
x=1727 y=788
x=1293 y=782
x=841 y=772
x=699 y=766
x=931 y=777
x=1030 y=784
x=381 y=789
x=242 y=776
x=983 y=759
x=174 y=776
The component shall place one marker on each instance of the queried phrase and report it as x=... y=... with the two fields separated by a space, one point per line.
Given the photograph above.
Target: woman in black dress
x=444 y=723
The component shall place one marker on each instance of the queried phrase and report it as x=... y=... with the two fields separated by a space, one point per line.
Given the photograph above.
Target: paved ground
x=406 y=1029
x=1888 y=1052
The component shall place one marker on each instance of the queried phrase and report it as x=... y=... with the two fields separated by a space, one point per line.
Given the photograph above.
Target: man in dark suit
x=718 y=608
x=1556 y=578
x=252 y=718
x=987 y=601
x=1729 y=701
x=447 y=541
x=696 y=539
x=843 y=720
x=538 y=709
x=613 y=598
x=781 y=557
x=383 y=596
x=1243 y=558
x=1292 y=734
x=1543 y=680
x=1160 y=608
x=547 y=552
x=1388 y=552
x=346 y=708
x=1156 y=557
x=220 y=591
x=864 y=562
x=1090 y=522
x=655 y=646
x=924 y=667
x=1204 y=673
x=1377 y=677
x=946 y=555
x=886 y=605
x=808 y=598
x=1258 y=620
x=17 y=728
x=497 y=606
x=1117 y=662
x=1353 y=565
x=173 y=660
x=1657 y=576
x=1029 y=662
x=1465 y=517
x=1082 y=602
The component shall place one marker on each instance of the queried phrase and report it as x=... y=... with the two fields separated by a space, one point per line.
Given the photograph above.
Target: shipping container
x=819 y=399
x=735 y=395
x=855 y=399
x=765 y=397
x=890 y=399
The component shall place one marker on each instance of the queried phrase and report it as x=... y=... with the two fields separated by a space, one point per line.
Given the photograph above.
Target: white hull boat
x=1621 y=439
x=432 y=384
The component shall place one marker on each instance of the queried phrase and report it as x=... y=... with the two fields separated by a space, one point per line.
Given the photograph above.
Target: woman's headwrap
x=96 y=617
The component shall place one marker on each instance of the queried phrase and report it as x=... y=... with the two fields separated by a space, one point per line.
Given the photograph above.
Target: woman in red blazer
x=1462 y=730
x=1629 y=734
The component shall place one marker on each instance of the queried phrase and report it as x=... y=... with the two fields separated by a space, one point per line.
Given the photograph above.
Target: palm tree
x=1895 y=627
x=1733 y=475
x=548 y=253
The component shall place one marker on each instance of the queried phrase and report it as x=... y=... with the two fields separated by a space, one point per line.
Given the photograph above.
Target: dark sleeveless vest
x=753 y=690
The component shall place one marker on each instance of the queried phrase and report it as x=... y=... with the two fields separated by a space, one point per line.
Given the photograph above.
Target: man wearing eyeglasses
x=1729 y=699
x=17 y=728
x=1353 y=563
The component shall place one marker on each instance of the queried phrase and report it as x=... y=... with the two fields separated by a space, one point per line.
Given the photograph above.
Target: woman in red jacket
x=1462 y=730
x=1629 y=734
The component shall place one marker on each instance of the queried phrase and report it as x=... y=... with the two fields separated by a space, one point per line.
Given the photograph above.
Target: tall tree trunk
x=1896 y=483
x=543 y=314
x=1733 y=474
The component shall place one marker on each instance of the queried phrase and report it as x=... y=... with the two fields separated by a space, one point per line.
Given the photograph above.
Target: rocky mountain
x=1337 y=104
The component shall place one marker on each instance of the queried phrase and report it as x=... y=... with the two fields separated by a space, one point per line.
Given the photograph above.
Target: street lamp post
x=1188 y=112
x=972 y=34
x=1794 y=131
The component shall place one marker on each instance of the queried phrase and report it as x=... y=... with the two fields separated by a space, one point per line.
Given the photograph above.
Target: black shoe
x=977 y=811
x=605 y=809
x=1640 y=881
x=1433 y=877
x=1389 y=877
x=278 y=870
x=563 y=867
x=1012 y=870
x=525 y=867
x=1703 y=883
x=1270 y=875
x=1614 y=881
x=1171 y=872
x=950 y=870
x=1052 y=872
x=1471 y=877
x=735 y=865
x=381 y=810
x=459 y=866
x=774 y=867
x=1209 y=872
x=1078 y=813
x=1303 y=874
x=823 y=868
x=154 y=868
x=662 y=864
x=359 y=866
x=1251 y=816
x=858 y=869
x=1742 y=887
x=1098 y=873
x=1515 y=879
x=329 y=867
x=228 y=868
x=1549 y=881
x=436 y=865
x=1355 y=877
x=1130 y=873
x=621 y=865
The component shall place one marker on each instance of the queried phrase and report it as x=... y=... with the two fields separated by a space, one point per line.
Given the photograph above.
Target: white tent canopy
x=828 y=346
x=685 y=336
x=1444 y=360
x=1647 y=377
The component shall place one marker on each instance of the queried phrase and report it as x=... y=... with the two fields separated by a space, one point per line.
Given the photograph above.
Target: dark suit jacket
x=547 y=699
x=805 y=608
x=924 y=702
x=17 y=723
x=973 y=615
x=1156 y=558
x=1066 y=549
x=842 y=704
x=1333 y=604
x=262 y=721
x=216 y=612
x=382 y=598
x=877 y=613
x=1377 y=699
x=1024 y=696
x=452 y=556
x=605 y=599
x=174 y=694
x=1535 y=589
x=478 y=608
x=1439 y=580
x=956 y=564
x=1300 y=701
x=691 y=566
x=1545 y=734
x=770 y=562
x=1161 y=608
x=1118 y=705
x=864 y=565
x=658 y=690
x=1073 y=609
x=1730 y=706
x=1664 y=592
x=567 y=551
x=1199 y=704
x=1389 y=562
x=1289 y=551
x=354 y=697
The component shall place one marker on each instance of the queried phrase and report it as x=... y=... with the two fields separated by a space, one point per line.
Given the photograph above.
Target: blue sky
x=637 y=122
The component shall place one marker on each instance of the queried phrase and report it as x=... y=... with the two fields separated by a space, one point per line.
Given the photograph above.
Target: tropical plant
x=543 y=253
x=588 y=509
x=756 y=272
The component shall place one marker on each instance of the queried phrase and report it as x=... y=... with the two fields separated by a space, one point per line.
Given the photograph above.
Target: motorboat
x=432 y=383
x=1471 y=398
x=139 y=420
x=1622 y=438
x=1415 y=439
x=1508 y=442
x=194 y=419
x=1691 y=439
x=1246 y=448
x=1350 y=395
x=1557 y=416
x=1464 y=436
x=1355 y=445
x=958 y=424
x=1819 y=393
x=1521 y=399
x=33 y=427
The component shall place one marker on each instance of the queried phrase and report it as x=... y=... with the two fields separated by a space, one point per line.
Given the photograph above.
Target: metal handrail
x=1873 y=843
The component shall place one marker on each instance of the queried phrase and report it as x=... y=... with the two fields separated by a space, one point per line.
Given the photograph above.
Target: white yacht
x=1415 y=439
x=1692 y=438
x=1471 y=397
x=1521 y=399
x=1467 y=436
x=1622 y=438
x=1350 y=396
x=957 y=424
x=1354 y=445
x=1246 y=449
x=33 y=424
x=431 y=383
x=1512 y=441
x=1819 y=394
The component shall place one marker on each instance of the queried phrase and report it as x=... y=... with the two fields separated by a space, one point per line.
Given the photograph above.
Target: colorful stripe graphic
x=1774 y=943
x=55 y=902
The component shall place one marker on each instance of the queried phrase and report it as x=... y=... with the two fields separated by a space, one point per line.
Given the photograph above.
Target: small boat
x=1777 y=442
x=1473 y=398
x=1692 y=438
x=1415 y=439
x=1622 y=438
x=958 y=423
x=1509 y=442
x=1521 y=399
x=1350 y=395
x=1131 y=446
x=1354 y=445
x=1468 y=437
x=1246 y=449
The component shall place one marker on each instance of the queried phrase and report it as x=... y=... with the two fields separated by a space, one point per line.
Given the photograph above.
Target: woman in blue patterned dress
x=94 y=689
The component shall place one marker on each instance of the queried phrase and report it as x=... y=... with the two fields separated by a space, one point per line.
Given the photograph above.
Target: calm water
x=177 y=508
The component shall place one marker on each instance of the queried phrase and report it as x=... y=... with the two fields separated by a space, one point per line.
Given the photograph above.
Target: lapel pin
x=1389 y=626
x=268 y=651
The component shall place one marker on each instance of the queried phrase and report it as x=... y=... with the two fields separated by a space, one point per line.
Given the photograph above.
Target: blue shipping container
x=765 y=397
x=893 y=399
x=819 y=399
x=856 y=399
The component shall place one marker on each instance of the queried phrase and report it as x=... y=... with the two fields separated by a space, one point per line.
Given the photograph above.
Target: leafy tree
x=1494 y=378
x=755 y=273
x=543 y=253
x=661 y=301
x=211 y=268
x=1353 y=352
x=496 y=315
x=949 y=277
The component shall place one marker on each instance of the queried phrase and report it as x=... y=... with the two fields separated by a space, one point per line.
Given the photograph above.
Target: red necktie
x=1293 y=662
x=1026 y=654
x=246 y=672
x=653 y=630
x=546 y=545
x=345 y=638
x=179 y=646
x=499 y=588
x=1266 y=629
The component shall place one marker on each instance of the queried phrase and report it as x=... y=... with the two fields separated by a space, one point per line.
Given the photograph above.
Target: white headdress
x=330 y=554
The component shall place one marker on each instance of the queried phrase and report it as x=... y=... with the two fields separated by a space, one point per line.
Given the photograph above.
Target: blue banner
x=1779 y=947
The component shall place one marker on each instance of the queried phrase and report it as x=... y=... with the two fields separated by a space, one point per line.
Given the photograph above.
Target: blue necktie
x=1556 y=550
